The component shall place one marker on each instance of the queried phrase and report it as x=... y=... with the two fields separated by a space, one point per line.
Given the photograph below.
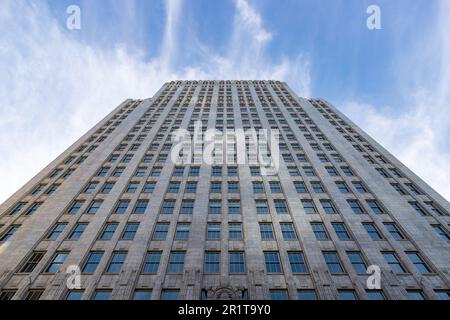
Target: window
x=168 y=206
x=232 y=171
x=56 y=231
x=308 y=294
x=356 y=207
x=418 y=208
x=76 y=205
x=213 y=231
x=118 y=171
x=141 y=206
x=281 y=206
x=149 y=187
x=130 y=231
x=57 y=262
x=178 y=171
x=308 y=206
x=342 y=186
x=9 y=232
x=194 y=171
x=275 y=187
x=258 y=187
x=433 y=208
x=116 y=262
x=341 y=231
x=191 y=187
x=77 y=231
x=212 y=262
x=160 y=232
x=233 y=186
x=272 y=260
x=394 y=231
x=261 y=206
x=333 y=262
x=108 y=231
x=266 y=230
x=441 y=232
x=331 y=171
x=216 y=187
x=132 y=187
x=374 y=205
x=74 y=295
x=357 y=261
x=255 y=171
x=373 y=232
x=359 y=187
x=156 y=171
x=176 y=262
x=393 y=262
x=297 y=262
x=142 y=294
x=441 y=294
x=90 y=187
x=279 y=294
x=32 y=262
x=17 y=208
x=215 y=207
x=107 y=187
x=413 y=189
x=92 y=261
x=94 y=206
x=399 y=189
x=375 y=295
x=328 y=206
x=235 y=231
x=317 y=186
x=102 y=295
x=288 y=231
x=121 y=206
x=34 y=294
x=234 y=206
x=182 y=231
x=347 y=295
x=174 y=187
x=7 y=294
x=151 y=263
x=415 y=295
x=417 y=260
x=217 y=171
x=300 y=187
x=172 y=294
x=319 y=231
x=33 y=208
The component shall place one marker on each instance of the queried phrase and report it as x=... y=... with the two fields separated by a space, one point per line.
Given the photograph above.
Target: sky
x=57 y=83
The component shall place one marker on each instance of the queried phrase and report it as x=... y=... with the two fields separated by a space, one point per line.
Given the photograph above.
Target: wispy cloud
x=53 y=88
x=418 y=135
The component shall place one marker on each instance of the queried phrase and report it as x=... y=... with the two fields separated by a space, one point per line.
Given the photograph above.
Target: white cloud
x=418 y=135
x=54 y=88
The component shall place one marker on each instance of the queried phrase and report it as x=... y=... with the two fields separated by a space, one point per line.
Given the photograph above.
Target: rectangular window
x=108 y=231
x=342 y=186
x=266 y=230
x=308 y=294
x=132 y=187
x=34 y=294
x=213 y=231
x=333 y=262
x=216 y=187
x=174 y=187
x=56 y=230
x=149 y=187
x=116 y=262
x=281 y=206
x=415 y=295
x=170 y=294
x=394 y=231
x=141 y=206
x=130 y=231
x=375 y=206
x=142 y=294
x=102 y=295
x=261 y=206
x=57 y=262
x=168 y=207
x=92 y=261
x=107 y=187
x=272 y=260
x=151 y=263
x=317 y=187
x=235 y=231
x=288 y=231
x=32 y=262
x=373 y=232
x=277 y=294
x=182 y=231
x=9 y=232
x=441 y=232
x=359 y=187
x=33 y=208
x=357 y=261
x=328 y=206
x=233 y=186
x=275 y=187
x=212 y=262
x=176 y=262
x=417 y=260
x=237 y=262
x=418 y=208
x=347 y=295
x=375 y=295
x=297 y=262
x=217 y=171
x=308 y=206
x=194 y=171
x=160 y=232
x=74 y=295
x=77 y=231
x=319 y=231
x=300 y=187
x=356 y=207
x=7 y=294
x=393 y=262
x=234 y=206
x=341 y=231
x=258 y=187
x=121 y=206
x=215 y=207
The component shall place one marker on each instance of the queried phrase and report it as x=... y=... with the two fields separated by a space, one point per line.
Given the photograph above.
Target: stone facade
x=57 y=220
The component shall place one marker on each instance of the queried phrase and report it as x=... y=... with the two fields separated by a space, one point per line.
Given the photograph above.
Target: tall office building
x=130 y=214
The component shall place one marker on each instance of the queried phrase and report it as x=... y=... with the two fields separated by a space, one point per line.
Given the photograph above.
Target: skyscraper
x=225 y=190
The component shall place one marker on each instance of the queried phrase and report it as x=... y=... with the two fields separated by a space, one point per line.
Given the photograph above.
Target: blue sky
x=57 y=83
